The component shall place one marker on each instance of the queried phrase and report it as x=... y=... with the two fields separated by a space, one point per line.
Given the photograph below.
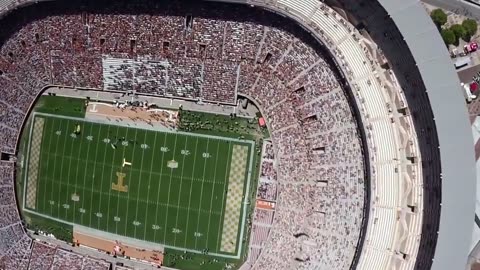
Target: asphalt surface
x=461 y=7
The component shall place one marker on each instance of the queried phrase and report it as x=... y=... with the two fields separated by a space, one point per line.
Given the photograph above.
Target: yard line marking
x=94 y=170
x=213 y=191
x=180 y=192
x=69 y=171
x=84 y=175
x=54 y=170
x=138 y=190
x=201 y=194
x=138 y=170
x=158 y=190
x=149 y=182
x=184 y=133
x=128 y=193
x=227 y=170
x=48 y=165
x=61 y=172
x=76 y=174
x=190 y=197
x=183 y=175
x=93 y=173
x=101 y=179
x=168 y=196
x=111 y=174
x=125 y=197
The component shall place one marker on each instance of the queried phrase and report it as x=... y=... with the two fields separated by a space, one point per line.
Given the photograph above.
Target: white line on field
x=110 y=188
x=128 y=193
x=190 y=197
x=168 y=197
x=78 y=167
x=61 y=170
x=213 y=191
x=48 y=164
x=159 y=184
x=201 y=194
x=94 y=170
x=138 y=190
x=180 y=192
x=149 y=182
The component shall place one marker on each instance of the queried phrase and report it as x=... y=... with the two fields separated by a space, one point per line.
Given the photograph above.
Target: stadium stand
x=42 y=256
x=343 y=158
x=382 y=249
x=310 y=116
x=416 y=123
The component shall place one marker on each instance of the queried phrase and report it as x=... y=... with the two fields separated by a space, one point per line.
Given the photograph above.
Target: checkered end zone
x=33 y=161
x=233 y=207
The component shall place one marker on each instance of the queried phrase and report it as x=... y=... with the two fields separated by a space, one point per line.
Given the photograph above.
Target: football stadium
x=234 y=134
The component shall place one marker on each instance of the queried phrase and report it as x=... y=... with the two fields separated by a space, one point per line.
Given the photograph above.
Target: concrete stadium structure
x=420 y=215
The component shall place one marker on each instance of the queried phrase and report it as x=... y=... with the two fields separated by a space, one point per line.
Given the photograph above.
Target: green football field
x=185 y=191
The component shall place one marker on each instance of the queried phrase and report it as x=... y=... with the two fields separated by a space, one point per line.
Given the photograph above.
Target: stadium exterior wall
x=10 y=5
x=453 y=130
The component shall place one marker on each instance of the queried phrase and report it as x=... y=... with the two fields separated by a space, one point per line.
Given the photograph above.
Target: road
x=461 y=7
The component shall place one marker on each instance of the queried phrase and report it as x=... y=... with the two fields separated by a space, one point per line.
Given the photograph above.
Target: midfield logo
x=119 y=186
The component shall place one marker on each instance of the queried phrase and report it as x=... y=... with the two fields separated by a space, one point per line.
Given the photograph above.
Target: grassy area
x=179 y=205
x=47 y=104
x=182 y=260
x=192 y=122
x=222 y=125
x=57 y=105
x=61 y=231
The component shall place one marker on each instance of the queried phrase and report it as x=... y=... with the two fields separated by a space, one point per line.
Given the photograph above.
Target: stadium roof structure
x=453 y=131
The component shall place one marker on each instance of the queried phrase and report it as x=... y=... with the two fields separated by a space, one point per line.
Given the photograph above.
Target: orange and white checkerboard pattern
x=233 y=207
x=33 y=162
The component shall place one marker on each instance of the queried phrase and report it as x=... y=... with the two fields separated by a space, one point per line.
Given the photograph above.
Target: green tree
x=459 y=32
x=448 y=36
x=439 y=17
x=470 y=27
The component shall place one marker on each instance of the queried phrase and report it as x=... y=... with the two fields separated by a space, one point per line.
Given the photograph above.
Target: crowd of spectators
x=12 y=234
x=95 y=264
x=42 y=256
x=18 y=255
x=263 y=217
x=37 y=255
x=64 y=259
x=319 y=159
x=192 y=54
x=267 y=187
x=317 y=141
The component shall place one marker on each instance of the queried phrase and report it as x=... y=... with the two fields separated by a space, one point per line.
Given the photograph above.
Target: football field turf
x=185 y=191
